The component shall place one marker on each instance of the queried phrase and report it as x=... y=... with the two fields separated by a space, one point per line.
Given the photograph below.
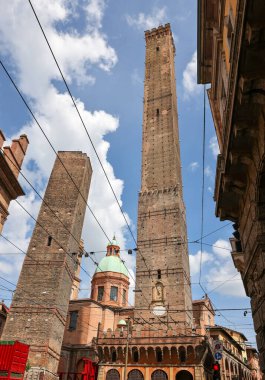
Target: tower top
x=159 y=32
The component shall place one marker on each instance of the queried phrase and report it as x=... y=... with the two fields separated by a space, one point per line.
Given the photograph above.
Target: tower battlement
x=159 y=33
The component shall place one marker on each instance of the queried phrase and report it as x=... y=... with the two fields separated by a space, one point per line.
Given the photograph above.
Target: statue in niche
x=158 y=291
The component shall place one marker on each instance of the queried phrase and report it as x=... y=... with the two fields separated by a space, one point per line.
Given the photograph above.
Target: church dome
x=112 y=264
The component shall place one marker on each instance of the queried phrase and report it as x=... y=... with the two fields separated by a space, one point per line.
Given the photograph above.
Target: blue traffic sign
x=218 y=356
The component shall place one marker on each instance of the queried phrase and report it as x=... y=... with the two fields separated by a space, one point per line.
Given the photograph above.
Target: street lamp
x=122 y=324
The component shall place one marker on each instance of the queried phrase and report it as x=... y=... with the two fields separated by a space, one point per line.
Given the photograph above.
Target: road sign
x=218 y=346
x=218 y=356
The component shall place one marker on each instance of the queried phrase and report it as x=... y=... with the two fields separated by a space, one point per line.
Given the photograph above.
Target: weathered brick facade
x=39 y=308
x=231 y=57
x=11 y=158
x=162 y=235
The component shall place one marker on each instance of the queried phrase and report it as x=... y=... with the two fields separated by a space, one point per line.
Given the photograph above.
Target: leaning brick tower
x=162 y=268
x=39 y=307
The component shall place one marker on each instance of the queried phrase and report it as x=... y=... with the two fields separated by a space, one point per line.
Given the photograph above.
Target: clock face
x=159 y=311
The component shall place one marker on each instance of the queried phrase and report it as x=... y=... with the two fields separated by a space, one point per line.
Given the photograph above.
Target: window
x=157 y=48
x=124 y=297
x=113 y=356
x=100 y=293
x=73 y=320
x=159 y=375
x=135 y=374
x=114 y=293
x=159 y=274
x=159 y=356
x=113 y=374
x=49 y=242
x=135 y=356
x=157 y=112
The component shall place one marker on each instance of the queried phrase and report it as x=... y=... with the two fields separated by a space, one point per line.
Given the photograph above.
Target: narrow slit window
x=49 y=242
x=157 y=112
x=159 y=274
x=73 y=320
x=100 y=293
x=157 y=48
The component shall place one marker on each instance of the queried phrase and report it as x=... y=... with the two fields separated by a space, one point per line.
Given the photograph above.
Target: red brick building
x=11 y=159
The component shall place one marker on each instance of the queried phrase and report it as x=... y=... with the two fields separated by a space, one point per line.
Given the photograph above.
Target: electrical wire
x=68 y=89
x=49 y=142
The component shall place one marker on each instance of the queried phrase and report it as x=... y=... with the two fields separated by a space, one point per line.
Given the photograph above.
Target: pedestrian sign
x=218 y=356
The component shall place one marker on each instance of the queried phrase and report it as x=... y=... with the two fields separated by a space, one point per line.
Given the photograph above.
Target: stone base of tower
x=43 y=364
x=40 y=373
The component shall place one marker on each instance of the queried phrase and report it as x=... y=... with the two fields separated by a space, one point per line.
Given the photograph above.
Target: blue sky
x=101 y=49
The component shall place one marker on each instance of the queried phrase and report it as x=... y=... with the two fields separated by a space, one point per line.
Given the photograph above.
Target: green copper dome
x=112 y=264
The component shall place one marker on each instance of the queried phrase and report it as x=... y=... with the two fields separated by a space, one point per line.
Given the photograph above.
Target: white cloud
x=35 y=76
x=222 y=249
x=218 y=272
x=94 y=12
x=143 y=21
x=208 y=172
x=213 y=145
x=225 y=280
x=136 y=78
x=198 y=258
x=189 y=78
x=193 y=166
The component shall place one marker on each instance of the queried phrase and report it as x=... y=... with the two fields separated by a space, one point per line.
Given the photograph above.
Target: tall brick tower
x=39 y=308
x=162 y=268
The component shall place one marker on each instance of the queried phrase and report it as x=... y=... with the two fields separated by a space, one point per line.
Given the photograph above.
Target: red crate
x=13 y=359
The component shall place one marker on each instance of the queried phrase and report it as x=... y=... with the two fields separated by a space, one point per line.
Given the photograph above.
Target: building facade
x=235 y=364
x=39 y=308
x=231 y=58
x=106 y=310
x=253 y=362
x=11 y=159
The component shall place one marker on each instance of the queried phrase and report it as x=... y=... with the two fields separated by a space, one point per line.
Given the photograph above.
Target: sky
x=100 y=47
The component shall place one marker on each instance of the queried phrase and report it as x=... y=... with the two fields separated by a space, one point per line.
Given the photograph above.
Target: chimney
x=16 y=153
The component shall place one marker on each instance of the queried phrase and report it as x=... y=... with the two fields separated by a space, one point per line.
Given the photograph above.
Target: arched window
x=135 y=374
x=159 y=356
x=182 y=354
x=159 y=375
x=113 y=374
x=135 y=356
x=184 y=375
x=113 y=356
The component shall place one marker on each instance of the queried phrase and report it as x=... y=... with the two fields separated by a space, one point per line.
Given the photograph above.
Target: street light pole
x=126 y=350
